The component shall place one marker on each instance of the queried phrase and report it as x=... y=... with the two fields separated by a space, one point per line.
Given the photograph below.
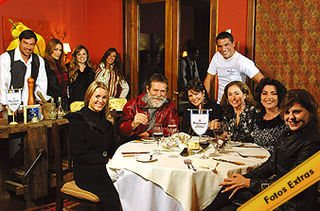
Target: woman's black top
x=267 y=132
x=78 y=88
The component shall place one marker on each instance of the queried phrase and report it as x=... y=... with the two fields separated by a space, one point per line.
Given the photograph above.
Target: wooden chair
x=67 y=190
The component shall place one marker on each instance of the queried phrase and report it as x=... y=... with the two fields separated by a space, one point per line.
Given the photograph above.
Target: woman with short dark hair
x=269 y=124
x=198 y=99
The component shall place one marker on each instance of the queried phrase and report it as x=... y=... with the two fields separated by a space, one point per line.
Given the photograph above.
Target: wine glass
x=157 y=133
x=172 y=129
x=222 y=133
x=14 y=101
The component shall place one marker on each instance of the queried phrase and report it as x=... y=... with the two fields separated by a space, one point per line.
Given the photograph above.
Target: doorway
x=155 y=33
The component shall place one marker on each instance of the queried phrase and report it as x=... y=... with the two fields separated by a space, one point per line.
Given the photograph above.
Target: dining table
x=169 y=181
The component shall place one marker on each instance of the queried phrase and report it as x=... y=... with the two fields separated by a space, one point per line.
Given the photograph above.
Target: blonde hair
x=91 y=89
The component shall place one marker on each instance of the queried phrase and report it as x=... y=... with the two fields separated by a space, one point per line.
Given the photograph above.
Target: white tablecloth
x=169 y=182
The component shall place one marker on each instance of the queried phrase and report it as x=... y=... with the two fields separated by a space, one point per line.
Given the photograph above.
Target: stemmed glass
x=222 y=134
x=14 y=101
x=157 y=133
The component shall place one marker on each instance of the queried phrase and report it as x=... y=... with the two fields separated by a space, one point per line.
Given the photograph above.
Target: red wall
x=232 y=14
x=94 y=23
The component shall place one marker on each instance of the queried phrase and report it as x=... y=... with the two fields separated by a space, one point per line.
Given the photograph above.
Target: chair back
x=76 y=106
x=62 y=153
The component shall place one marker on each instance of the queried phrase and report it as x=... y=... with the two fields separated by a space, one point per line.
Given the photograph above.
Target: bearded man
x=140 y=114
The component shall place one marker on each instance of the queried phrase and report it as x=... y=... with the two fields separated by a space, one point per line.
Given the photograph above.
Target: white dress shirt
x=5 y=77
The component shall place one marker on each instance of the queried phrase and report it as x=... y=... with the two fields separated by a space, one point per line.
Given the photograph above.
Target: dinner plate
x=147 y=139
x=235 y=144
x=146 y=158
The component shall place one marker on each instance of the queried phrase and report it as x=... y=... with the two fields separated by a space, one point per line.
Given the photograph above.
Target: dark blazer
x=92 y=144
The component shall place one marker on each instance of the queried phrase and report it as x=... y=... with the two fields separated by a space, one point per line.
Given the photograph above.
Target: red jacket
x=165 y=113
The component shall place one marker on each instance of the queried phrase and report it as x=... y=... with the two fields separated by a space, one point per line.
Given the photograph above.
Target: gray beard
x=151 y=104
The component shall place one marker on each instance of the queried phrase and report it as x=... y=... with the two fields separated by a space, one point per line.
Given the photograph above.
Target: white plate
x=146 y=158
x=235 y=144
x=148 y=139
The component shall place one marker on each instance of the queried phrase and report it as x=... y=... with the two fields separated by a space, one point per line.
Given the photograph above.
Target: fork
x=189 y=163
x=185 y=162
x=215 y=168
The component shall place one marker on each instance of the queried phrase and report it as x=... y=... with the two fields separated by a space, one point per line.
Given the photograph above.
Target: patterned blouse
x=242 y=131
x=267 y=132
x=116 y=86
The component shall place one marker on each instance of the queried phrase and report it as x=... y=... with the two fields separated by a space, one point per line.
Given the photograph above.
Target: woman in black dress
x=198 y=99
x=81 y=73
x=92 y=144
x=269 y=124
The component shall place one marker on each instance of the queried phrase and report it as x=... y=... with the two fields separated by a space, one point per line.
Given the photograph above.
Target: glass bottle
x=60 y=111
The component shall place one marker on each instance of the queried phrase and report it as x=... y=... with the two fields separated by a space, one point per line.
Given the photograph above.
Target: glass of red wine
x=157 y=133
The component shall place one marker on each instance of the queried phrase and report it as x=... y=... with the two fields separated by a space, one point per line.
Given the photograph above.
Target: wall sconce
x=66 y=48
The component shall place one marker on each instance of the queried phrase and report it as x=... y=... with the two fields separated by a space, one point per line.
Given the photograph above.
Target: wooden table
x=35 y=138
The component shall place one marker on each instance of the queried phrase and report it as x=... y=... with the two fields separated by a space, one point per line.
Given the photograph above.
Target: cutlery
x=215 y=168
x=185 y=162
x=128 y=153
x=252 y=156
x=229 y=161
x=189 y=162
x=248 y=146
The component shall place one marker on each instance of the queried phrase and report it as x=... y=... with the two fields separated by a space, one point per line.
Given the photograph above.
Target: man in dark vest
x=17 y=65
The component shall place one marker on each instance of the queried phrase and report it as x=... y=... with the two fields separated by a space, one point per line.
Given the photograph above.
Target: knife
x=129 y=153
x=229 y=161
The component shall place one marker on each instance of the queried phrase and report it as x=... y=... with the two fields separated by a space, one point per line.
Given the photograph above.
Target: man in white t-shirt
x=229 y=65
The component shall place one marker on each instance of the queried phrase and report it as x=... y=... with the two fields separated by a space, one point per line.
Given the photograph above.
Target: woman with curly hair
x=238 y=111
x=56 y=71
x=269 y=124
x=110 y=73
x=81 y=73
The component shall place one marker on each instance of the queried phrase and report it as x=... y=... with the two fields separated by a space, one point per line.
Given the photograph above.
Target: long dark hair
x=117 y=65
x=48 y=55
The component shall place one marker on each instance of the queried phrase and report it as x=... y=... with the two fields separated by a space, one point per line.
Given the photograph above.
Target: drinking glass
x=14 y=101
x=157 y=133
x=222 y=133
